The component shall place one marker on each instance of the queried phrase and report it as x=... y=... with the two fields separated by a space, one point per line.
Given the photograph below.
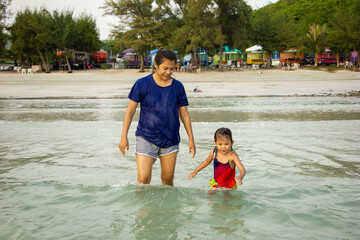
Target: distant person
x=162 y=100
x=224 y=159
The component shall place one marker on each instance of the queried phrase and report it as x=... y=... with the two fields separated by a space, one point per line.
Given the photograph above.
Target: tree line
x=187 y=26
x=37 y=35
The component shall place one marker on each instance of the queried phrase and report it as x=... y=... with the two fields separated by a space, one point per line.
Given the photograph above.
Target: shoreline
x=115 y=84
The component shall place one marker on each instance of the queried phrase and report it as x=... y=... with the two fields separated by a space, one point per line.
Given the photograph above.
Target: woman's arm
x=202 y=165
x=130 y=111
x=185 y=118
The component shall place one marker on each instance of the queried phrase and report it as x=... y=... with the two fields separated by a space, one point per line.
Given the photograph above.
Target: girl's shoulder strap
x=214 y=151
x=230 y=155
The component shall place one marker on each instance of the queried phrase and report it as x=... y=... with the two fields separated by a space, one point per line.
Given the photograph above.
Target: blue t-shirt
x=159 y=110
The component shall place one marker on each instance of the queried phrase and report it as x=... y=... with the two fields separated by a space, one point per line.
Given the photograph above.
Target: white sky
x=104 y=23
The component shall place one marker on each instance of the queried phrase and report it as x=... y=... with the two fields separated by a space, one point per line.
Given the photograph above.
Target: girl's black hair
x=223 y=132
x=163 y=54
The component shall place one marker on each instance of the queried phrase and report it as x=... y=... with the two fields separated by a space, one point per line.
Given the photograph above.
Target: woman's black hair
x=163 y=54
x=223 y=132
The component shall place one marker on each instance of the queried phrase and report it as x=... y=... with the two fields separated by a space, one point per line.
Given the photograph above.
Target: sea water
x=63 y=177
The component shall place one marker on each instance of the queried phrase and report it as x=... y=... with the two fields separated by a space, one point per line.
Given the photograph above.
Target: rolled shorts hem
x=146 y=148
x=144 y=154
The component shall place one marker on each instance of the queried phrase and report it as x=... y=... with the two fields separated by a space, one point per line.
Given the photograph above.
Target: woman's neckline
x=171 y=79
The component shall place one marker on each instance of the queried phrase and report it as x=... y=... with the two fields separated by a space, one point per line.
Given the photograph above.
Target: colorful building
x=132 y=58
x=230 y=55
x=327 y=57
x=255 y=55
x=354 y=57
x=291 y=56
x=275 y=59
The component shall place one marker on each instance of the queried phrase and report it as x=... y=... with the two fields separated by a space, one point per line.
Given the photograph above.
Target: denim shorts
x=144 y=147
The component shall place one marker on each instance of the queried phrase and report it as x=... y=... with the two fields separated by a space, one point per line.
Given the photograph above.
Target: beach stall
x=234 y=56
x=291 y=56
x=99 y=57
x=327 y=57
x=255 y=55
x=203 y=58
x=354 y=57
x=152 y=55
x=230 y=55
x=275 y=58
x=132 y=59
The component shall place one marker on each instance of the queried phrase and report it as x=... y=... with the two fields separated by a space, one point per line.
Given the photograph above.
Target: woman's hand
x=124 y=144
x=192 y=148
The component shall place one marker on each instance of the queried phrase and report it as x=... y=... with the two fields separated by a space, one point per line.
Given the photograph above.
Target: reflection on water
x=63 y=177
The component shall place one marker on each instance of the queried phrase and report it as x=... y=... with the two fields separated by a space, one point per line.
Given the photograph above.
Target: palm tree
x=316 y=40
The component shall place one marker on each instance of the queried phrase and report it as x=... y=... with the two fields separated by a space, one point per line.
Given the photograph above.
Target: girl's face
x=223 y=144
x=165 y=69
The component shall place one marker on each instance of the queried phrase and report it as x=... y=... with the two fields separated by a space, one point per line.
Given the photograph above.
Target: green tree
x=315 y=41
x=345 y=32
x=198 y=29
x=337 y=36
x=353 y=26
x=64 y=33
x=139 y=21
x=272 y=31
x=4 y=14
x=87 y=34
x=233 y=21
x=23 y=37
x=40 y=24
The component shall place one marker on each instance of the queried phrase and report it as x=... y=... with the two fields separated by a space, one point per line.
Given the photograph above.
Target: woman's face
x=165 y=69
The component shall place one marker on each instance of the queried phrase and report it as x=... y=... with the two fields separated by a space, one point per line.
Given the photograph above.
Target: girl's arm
x=130 y=111
x=202 y=165
x=240 y=167
x=185 y=118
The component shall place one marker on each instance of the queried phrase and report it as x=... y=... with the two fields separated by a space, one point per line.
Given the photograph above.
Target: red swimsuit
x=224 y=175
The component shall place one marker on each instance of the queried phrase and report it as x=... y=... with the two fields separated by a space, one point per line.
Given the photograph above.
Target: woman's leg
x=144 y=168
x=168 y=168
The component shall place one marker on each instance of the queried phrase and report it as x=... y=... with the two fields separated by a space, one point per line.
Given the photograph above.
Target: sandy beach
x=116 y=83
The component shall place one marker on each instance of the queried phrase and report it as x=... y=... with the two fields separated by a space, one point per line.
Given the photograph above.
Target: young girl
x=225 y=160
x=162 y=100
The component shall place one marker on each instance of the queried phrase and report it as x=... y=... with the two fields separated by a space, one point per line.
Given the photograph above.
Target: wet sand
x=117 y=83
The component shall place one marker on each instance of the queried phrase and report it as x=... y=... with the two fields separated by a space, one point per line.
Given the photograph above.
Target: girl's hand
x=238 y=180
x=191 y=175
x=124 y=143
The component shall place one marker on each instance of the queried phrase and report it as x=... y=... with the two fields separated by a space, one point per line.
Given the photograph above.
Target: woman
x=162 y=100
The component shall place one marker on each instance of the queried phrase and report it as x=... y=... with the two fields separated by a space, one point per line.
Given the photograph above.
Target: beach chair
x=29 y=70
x=23 y=71
x=288 y=67
x=296 y=66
